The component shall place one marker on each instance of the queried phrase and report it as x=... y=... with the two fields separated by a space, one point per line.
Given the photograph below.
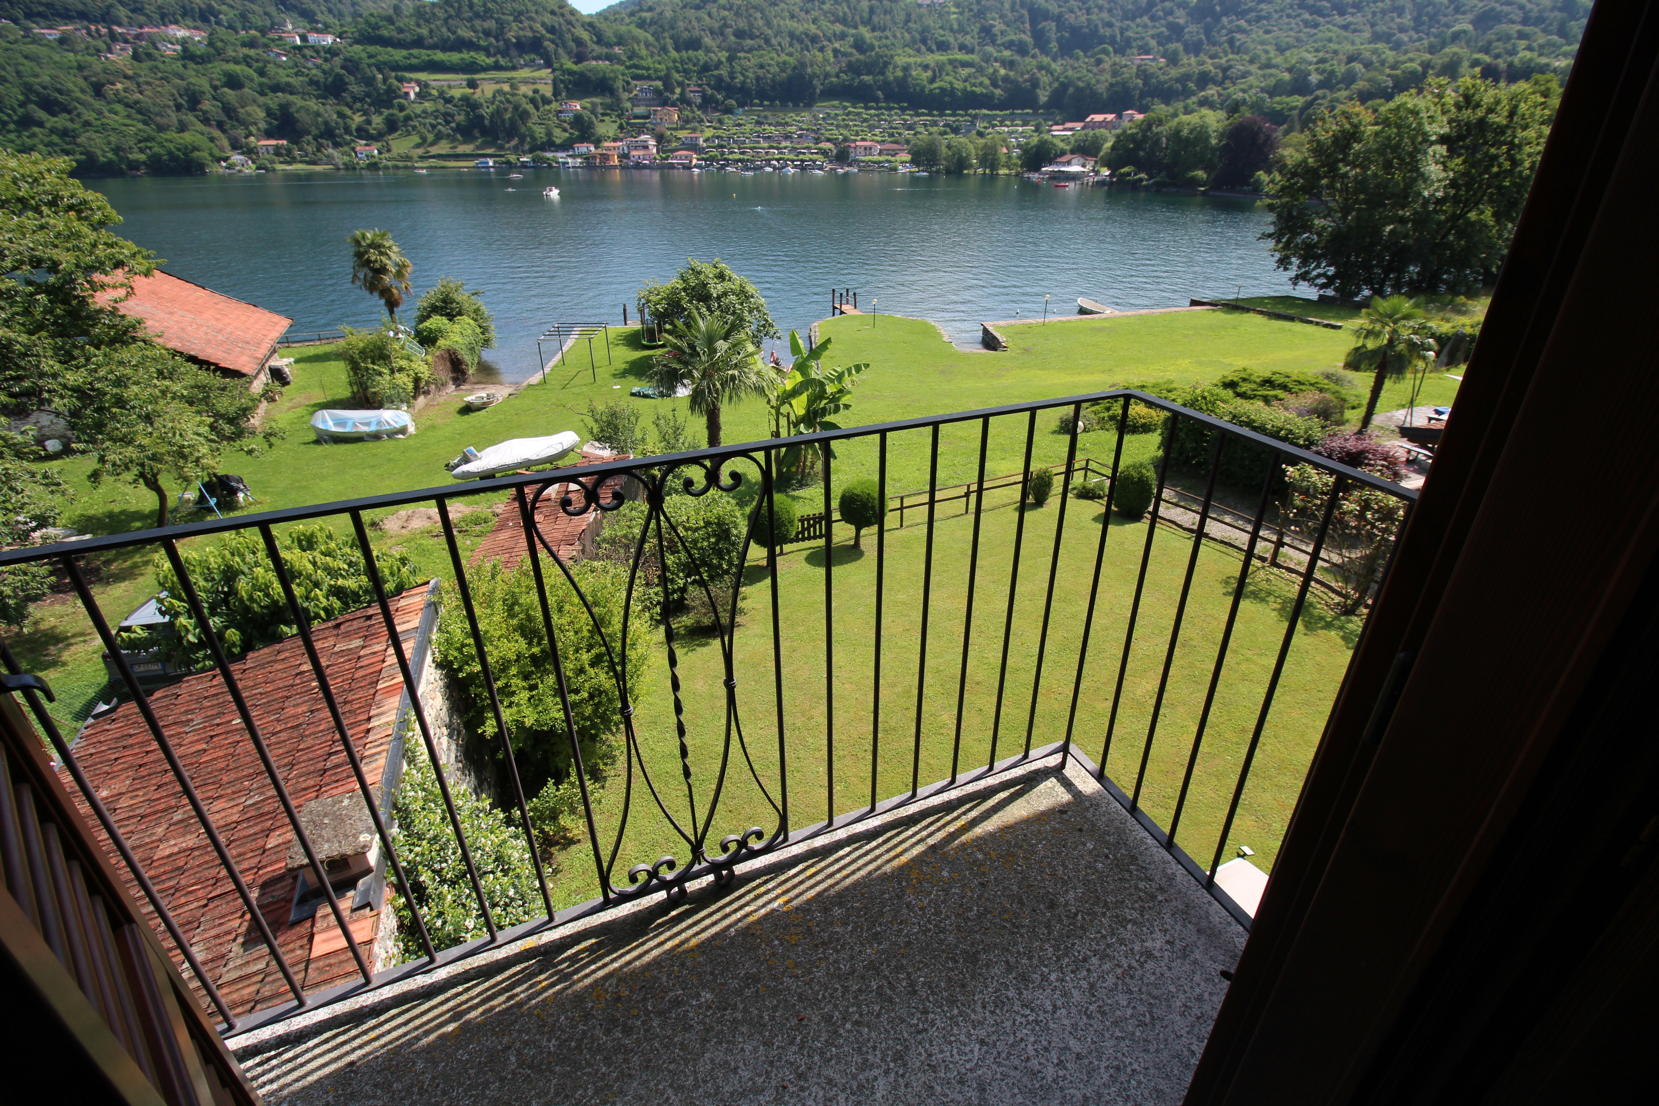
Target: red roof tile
x=202 y=324
x=121 y=760
x=571 y=536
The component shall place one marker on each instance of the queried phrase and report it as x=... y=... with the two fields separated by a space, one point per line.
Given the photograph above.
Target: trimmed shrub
x=1243 y=464
x=1039 y=485
x=1137 y=483
x=861 y=506
x=1360 y=450
x=1091 y=489
x=788 y=520
x=1272 y=385
x=1143 y=418
x=382 y=370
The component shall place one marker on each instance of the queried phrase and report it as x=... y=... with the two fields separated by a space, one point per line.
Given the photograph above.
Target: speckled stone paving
x=1020 y=942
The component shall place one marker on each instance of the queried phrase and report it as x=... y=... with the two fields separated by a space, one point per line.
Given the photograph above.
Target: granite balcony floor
x=1018 y=941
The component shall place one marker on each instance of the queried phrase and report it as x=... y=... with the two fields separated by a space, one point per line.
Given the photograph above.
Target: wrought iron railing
x=761 y=697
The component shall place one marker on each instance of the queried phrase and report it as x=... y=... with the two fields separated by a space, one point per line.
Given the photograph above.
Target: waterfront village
x=651 y=132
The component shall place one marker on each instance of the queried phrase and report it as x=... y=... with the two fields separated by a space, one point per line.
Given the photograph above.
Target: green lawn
x=1318 y=657
x=914 y=371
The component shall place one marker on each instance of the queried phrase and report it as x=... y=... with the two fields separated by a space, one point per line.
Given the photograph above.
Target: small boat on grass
x=332 y=425
x=514 y=453
x=477 y=401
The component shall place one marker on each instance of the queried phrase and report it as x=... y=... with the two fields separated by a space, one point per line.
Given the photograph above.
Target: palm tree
x=715 y=358
x=1388 y=342
x=379 y=268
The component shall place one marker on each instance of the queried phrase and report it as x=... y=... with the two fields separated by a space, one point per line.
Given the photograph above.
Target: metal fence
x=947 y=652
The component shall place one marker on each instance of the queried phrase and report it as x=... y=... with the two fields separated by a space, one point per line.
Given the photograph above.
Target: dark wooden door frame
x=1493 y=669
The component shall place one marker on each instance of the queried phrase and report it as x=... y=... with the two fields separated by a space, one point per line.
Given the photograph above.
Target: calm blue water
x=955 y=250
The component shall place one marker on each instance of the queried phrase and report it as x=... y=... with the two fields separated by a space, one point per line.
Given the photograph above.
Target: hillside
x=1072 y=55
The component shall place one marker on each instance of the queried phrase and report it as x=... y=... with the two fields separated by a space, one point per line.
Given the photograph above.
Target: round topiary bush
x=1039 y=484
x=1143 y=418
x=1137 y=483
x=788 y=519
x=861 y=505
x=1091 y=489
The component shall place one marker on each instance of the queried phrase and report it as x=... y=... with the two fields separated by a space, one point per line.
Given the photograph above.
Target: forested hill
x=252 y=15
x=1072 y=54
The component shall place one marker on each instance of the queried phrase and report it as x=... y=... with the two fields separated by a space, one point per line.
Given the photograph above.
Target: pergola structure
x=566 y=335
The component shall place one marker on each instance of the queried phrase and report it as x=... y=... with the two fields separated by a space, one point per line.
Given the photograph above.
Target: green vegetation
x=426 y=846
x=1137 y=484
x=1039 y=485
x=34 y=499
x=861 y=506
x=245 y=604
x=495 y=73
x=711 y=358
x=515 y=637
x=383 y=369
x=1419 y=196
x=1390 y=343
x=380 y=269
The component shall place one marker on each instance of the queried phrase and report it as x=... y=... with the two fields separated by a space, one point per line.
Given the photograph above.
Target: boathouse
x=214 y=330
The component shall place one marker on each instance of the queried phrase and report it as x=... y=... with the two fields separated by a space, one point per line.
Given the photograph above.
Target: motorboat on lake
x=550 y=192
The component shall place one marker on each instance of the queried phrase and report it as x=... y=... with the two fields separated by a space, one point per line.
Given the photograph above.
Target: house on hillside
x=863 y=148
x=273 y=146
x=1103 y=121
x=121 y=759
x=682 y=159
x=647 y=95
x=214 y=330
x=569 y=108
x=364 y=153
x=666 y=116
x=409 y=90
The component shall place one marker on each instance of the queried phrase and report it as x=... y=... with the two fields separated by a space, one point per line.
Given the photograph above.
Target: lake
x=957 y=250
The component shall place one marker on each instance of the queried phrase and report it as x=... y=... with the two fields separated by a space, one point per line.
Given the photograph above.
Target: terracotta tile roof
x=202 y=324
x=120 y=758
x=571 y=536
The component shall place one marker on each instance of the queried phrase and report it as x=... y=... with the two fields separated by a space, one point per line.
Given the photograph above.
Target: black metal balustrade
x=752 y=731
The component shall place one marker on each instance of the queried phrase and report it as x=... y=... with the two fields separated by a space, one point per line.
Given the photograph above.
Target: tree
x=716 y=291
x=989 y=154
x=958 y=157
x=1389 y=341
x=1039 y=153
x=451 y=299
x=57 y=253
x=861 y=506
x=806 y=400
x=713 y=357
x=1419 y=196
x=508 y=607
x=1247 y=147
x=927 y=151
x=379 y=268
x=383 y=370
x=34 y=497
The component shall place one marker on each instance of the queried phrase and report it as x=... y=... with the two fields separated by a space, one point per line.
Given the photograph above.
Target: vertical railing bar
x=1180 y=614
x=1221 y=650
x=881 y=573
x=829 y=645
x=180 y=774
x=1053 y=572
x=528 y=520
x=396 y=641
x=76 y=934
x=1278 y=670
x=1013 y=587
x=777 y=638
x=968 y=613
x=464 y=590
x=55 y=736
x=927 y=605
x=233 y=688
x=303 y=624
x=1135 y=603
x=1094 y=581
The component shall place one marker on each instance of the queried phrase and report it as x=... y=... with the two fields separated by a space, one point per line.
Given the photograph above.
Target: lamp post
x=873 y=302
x=1045 y=308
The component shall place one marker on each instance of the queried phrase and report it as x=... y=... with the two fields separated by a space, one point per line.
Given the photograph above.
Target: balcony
x=932 y=805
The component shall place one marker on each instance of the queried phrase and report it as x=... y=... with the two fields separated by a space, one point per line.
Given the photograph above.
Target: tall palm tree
x=1389 y=341
x=379 y=268
x=716 y=359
